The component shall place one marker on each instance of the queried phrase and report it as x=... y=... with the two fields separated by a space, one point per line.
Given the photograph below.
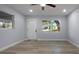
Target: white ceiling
x=24 y=9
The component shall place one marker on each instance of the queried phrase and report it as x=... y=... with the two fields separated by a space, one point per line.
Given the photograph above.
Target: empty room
x=39 y=28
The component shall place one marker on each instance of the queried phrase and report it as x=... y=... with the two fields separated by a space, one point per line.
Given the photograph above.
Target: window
x=45 y=25
x=52 y=25
x=6 y=20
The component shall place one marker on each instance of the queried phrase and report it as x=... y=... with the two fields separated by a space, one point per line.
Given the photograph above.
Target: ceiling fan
x=43 y=5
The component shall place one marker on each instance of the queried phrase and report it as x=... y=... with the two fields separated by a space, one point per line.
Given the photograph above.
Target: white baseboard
x=53 y=39
x=10 y=45
x=74 y=43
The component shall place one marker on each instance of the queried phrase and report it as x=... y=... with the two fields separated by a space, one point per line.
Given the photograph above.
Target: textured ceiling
x=24 y=9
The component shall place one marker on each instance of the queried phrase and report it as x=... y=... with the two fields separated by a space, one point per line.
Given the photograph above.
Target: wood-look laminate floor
x=42 y=47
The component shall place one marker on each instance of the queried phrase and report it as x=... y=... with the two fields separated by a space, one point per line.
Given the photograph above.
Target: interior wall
x=73 y=20
x=62 y=35
x=9 y=36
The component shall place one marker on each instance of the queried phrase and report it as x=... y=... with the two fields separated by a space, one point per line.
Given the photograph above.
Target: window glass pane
x=52 y=26
x=6 y=20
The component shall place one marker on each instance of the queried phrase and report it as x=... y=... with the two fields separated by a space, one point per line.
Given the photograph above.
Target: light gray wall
x=50 y=35
x=73 y=20
x=9 y=36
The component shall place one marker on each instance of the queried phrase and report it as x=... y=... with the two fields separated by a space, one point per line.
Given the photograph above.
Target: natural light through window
x=51 y=26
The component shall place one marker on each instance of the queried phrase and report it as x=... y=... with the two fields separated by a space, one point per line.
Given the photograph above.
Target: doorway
x=31 y=30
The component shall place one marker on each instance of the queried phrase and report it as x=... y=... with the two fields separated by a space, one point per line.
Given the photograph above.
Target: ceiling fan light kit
x=43 y=5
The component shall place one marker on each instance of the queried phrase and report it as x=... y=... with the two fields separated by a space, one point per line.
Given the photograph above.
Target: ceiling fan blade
x=34 y=4
x=43 y=8
x=51 y=5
